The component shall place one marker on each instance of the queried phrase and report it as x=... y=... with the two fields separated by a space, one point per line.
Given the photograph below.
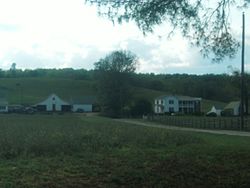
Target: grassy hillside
x=33 y=90
x=80 y=151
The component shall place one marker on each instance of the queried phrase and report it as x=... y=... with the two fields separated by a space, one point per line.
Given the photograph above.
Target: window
x=171 y=109
x=171 y=101
x=2 y=107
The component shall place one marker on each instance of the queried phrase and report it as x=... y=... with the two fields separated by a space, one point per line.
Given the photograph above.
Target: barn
x=53 y=104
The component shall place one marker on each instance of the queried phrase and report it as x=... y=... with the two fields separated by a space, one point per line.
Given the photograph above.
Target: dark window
x=41 y=107
x=171 y=109
x=2 y=107
x=171 y=101
x=66 y=108
x=54 y=108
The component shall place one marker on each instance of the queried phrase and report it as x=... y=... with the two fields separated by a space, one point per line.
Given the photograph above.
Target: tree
x=141 y=107
x=113 y=76
x=206 y=26
x=13 y=67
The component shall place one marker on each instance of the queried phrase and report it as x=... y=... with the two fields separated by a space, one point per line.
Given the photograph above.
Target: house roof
x=50 y=96
x=180 y=97
x=187 y=98
x=232 y=105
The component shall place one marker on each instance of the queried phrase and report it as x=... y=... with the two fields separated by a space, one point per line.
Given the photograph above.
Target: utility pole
x=242 y=74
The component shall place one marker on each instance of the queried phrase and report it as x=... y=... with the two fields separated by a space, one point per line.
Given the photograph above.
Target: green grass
x=81 y=151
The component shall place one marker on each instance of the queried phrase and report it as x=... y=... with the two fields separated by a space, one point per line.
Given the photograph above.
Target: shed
x=53 y=103
x=83 y=104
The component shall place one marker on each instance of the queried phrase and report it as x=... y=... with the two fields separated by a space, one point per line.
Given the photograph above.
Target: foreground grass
x=79 y=151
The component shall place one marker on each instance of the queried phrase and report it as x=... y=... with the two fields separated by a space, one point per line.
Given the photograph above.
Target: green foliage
x=204 y=25
x=141 y=107
x=80 y=74
x=30 y=90
x=113 y=81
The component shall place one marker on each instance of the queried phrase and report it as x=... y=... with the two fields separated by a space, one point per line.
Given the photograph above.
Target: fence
x=201 y=122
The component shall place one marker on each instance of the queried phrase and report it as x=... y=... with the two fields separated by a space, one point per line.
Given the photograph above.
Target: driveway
x=156 y=125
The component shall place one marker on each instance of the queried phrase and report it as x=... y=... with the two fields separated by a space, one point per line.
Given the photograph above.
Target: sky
x=69 y=34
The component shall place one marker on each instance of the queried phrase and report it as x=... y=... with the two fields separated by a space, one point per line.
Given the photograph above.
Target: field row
x=85 y=151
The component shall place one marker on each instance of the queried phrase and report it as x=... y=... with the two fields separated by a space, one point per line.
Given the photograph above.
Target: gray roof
x=187 y=98
x=84 y=100
x=180 y=97
x=232 y=105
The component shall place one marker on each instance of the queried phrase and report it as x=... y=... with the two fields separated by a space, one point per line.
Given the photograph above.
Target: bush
x=211 y=114
x=141 y=107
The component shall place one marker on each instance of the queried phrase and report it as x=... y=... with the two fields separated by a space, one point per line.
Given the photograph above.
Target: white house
x=177 y=104
x=53 y=103
x=3 y=106
x=84 y=104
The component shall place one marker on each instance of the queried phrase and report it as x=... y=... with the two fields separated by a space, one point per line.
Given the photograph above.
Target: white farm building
x=84 y=104
x=53 y=104
x=177 y=104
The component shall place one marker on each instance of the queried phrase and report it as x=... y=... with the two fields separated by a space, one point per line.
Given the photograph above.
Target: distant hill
x=32 y=90
x=221 y=87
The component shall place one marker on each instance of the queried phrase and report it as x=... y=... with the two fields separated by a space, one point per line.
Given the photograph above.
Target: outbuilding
x=54 y=104
x=83 y=104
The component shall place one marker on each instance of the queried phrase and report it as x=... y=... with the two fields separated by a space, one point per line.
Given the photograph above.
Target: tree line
x=221 y=87
x=114 y=78
x=78 y=74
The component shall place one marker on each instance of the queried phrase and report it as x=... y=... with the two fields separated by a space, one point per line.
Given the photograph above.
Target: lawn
x=84 y=151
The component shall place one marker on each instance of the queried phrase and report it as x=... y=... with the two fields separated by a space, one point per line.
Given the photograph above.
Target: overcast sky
x=67 y=33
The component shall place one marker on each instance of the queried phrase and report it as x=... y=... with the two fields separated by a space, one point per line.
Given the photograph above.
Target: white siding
x=171 y=102
x=53 y=100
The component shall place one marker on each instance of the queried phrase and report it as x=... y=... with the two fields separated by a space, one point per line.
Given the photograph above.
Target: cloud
x=62 y=33
x=8 y=27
